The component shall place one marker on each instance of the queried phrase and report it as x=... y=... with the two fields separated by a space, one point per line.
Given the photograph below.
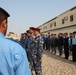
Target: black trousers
x=60 y=50
x=74 y=52
x=66 y=52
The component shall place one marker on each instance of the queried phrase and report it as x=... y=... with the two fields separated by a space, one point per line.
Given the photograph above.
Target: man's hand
x=39 y=61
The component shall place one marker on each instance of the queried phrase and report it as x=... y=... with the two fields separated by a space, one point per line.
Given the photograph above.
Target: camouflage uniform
x=36 y=52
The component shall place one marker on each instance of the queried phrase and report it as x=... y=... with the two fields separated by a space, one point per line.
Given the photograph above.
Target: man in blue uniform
x=70 y=42
x=74 y=46
x=27 y=43
x=12 y=55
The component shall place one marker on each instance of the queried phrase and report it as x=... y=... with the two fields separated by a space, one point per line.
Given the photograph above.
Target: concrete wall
x=68 y=26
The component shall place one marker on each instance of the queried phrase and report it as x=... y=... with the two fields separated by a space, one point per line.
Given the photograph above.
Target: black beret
x=4 y=12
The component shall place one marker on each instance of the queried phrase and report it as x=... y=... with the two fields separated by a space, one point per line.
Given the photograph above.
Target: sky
x=33 y=13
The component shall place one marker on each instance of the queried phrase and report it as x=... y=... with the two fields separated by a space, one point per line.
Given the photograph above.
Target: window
x=41 y=29
x=54 y=23
x=62 y=21
x=71 y=18
x=50 y=25
x=45 y=28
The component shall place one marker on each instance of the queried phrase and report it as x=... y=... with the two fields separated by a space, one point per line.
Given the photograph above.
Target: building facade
x=65 y=22
x=13 y=36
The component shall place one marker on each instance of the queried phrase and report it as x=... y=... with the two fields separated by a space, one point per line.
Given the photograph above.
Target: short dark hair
x=2 y=17
x=66 y=33
x=28 y=31
x=74 y=32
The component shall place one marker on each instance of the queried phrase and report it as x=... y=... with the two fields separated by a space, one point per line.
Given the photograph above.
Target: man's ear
x=4 y=23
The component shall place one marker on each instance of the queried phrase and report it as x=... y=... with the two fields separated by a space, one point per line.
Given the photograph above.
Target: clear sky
x=27 y=13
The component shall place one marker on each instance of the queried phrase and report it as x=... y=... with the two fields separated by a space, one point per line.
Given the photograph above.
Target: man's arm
x=21 y=66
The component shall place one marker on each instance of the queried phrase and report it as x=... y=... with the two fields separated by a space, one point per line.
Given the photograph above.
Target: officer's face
x=74 y=34
x=65 y=35
x=31 y=31
x=28 y=34
x=36 y=32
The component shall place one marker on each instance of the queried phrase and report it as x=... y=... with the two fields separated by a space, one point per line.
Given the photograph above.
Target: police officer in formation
x=22 y=40
x=36 y=51
x=60 y=43
x=12 y=56
x=74 y=46
x=27 y=44
x=66 y=45
x=34 y=48
x=54 y=43
x=70 y=42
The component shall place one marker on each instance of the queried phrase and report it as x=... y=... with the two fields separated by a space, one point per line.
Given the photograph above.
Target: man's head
x=54 y=35
x=36 y=31
x=3 y=21
x=74 y=33
x=71 y=34
x=28 y=33
x=31 y=29
x=60 y=34
x=22 y=35
x=65 y=34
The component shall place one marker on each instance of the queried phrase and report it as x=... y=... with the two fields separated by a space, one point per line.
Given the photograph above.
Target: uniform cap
x=4 y=12
x=32 y=28
x=37 y=29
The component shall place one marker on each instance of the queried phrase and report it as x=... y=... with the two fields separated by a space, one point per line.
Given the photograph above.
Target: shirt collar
x=1 y=35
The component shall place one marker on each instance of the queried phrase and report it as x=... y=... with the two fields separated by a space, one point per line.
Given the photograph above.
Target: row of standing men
x=62 y=42
x=33 y=44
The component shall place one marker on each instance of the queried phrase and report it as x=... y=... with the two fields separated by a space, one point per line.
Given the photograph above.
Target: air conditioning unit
x=65 y=18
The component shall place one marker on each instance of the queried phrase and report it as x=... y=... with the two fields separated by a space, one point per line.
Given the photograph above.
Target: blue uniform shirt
x=74 y=41
x=13 y=59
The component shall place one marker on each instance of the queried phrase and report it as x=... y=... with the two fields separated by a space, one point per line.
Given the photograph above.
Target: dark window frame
x=71 y=18
x=62 y=21
x=55 y=24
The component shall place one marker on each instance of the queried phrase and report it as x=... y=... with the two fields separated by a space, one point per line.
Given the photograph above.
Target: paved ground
x=55 y=65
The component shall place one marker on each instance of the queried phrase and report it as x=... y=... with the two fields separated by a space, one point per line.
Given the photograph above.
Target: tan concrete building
x=65 y=22
x=13 y=35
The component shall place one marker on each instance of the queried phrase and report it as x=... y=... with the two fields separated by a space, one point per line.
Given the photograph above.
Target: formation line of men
x=61 y=44
x=33 y=44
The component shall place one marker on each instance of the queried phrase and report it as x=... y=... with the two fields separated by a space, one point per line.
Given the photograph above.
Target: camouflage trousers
x=37 y=66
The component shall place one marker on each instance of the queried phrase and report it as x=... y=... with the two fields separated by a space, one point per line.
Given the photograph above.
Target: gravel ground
x=55 y=65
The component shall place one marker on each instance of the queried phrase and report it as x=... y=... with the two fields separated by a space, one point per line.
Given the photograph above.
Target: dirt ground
x=55 y=65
